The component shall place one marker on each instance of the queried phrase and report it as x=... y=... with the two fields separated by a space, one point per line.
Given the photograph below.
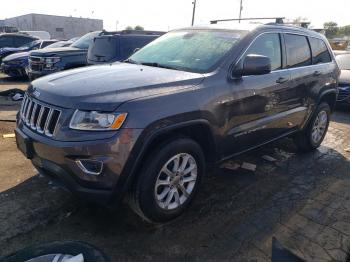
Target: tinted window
x=298 y=51
x=21 y=40
x=46 y=43
x=129 y=44
x=85 y=41
x=104 y=49
x=268 y=45
x=320 y=53
x=6 y=41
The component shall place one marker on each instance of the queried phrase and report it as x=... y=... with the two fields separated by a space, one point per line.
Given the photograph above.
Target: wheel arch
x=198 y=130
x=330 y=97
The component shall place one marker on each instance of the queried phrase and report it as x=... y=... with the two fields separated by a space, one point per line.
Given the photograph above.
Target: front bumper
x=57 y=159
x=344 y=95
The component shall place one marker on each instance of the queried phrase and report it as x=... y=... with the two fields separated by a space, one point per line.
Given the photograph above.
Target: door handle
x=317 y=73
x=281 y=80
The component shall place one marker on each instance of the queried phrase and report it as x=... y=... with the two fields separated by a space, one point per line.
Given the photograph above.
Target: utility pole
x=194 y=11
x=240 y=11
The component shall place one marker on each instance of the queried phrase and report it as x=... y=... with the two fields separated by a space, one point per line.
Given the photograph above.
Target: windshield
x=85 y=41
x=58 y=44
x=31 y=44
x=188 y=50
x=343 y=62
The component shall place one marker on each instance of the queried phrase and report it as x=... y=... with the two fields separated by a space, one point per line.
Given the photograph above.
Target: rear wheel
x=312 y=136
x=168 y=180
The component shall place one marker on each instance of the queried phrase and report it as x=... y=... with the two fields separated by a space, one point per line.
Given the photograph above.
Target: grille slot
x=39 y=117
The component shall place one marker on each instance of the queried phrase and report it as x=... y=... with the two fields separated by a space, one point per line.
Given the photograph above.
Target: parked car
x=36 y=44
x=16 y=65
x=43 y=35
x=110 y=47
x=344 y=80
x=15 y=39
x=48 y=61
x=146 y=128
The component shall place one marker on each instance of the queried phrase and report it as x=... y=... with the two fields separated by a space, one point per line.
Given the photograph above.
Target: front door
x=255 y=112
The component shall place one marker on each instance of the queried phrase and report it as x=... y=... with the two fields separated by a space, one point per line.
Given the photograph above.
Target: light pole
x=240 y=11
x=194 y=11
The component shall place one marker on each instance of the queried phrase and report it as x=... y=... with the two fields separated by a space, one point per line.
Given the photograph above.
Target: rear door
x=303 y=77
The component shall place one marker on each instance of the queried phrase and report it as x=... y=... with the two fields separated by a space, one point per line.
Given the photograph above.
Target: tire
x=306 y=140
x=159 y=196
x=60 y=249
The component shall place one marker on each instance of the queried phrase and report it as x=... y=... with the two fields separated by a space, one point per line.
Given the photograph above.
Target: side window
x=6 y=41
x=268 y=45
x=22 y=40
x=129 y=44
x=320 y=53
x=298 y=51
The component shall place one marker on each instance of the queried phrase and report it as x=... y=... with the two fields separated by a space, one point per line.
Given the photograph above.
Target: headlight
x=51 y=61
x=97 y=121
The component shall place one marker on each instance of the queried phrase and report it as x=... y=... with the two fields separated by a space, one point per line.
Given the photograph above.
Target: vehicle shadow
x=7 y=80
x=235 y=214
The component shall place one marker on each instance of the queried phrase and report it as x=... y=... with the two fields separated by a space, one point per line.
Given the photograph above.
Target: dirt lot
x=303 y=200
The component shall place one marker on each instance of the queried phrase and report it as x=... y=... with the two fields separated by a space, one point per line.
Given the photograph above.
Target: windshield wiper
x=130 y=61
x=158 y=65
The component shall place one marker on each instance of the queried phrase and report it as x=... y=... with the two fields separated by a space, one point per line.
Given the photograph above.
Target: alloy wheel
x=176 y=181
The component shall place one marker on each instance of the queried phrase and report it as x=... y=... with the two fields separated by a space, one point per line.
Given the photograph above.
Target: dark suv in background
x=15 y=39
x=146 y=128
x=48 y=61
x=110 y=47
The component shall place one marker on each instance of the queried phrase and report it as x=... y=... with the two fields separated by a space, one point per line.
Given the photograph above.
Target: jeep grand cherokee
x=147 y=127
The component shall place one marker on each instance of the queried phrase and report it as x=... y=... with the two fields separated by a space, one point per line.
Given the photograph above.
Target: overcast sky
x=169 y=14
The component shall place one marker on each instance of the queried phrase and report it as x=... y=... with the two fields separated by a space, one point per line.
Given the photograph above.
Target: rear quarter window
x=298 y=51
x=320 y=53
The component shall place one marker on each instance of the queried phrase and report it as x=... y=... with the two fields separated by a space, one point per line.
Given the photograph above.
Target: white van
x=43 y=35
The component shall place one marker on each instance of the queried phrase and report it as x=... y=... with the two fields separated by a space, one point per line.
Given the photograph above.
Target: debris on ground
x=283 y=153
x=248 y=166
x=15 y=94
x=269 y=158
x=9 y=136
x=231 y=165
x=17 y=97
x=347 y=149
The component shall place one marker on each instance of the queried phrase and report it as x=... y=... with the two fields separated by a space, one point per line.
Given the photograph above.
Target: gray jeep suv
x=146 y=128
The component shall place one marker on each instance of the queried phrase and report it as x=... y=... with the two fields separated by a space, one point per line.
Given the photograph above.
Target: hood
x=10 y=49
x=105 y=87
x=60 y=51
x=344 y=77
x=21 y=55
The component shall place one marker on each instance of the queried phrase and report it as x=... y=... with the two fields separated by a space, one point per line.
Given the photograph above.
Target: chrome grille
x=39 y=117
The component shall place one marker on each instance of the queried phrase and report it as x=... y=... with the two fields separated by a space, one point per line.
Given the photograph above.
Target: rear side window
x=22 y=40
x=298 y=51
x=128 y=44
x=320 y=53
x=268 y=45
x=6 y=41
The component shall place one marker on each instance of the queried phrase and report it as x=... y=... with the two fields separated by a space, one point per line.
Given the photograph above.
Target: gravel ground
x=302 y=200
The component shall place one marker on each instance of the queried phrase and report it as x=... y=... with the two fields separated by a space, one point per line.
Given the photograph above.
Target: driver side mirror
x=252 y=65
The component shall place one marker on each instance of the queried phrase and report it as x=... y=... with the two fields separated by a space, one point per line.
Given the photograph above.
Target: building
x=59 y=27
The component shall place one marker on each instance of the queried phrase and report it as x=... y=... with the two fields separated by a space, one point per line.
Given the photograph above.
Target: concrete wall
x=59 y=27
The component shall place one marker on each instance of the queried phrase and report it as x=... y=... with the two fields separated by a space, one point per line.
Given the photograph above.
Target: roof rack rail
x=127 y=31
x=279 y=20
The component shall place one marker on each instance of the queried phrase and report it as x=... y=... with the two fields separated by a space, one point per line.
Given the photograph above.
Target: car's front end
x=343 y=61
x=51 y=60
x=61 y=145
x=15 y=65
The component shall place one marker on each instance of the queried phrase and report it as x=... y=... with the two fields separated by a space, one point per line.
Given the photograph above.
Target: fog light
x=91 y=167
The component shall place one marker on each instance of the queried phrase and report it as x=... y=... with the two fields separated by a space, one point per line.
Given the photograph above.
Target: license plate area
x=24 y=144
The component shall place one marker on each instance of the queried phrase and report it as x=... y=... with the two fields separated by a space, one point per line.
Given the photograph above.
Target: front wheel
x=168 y=180
x=312 y=136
